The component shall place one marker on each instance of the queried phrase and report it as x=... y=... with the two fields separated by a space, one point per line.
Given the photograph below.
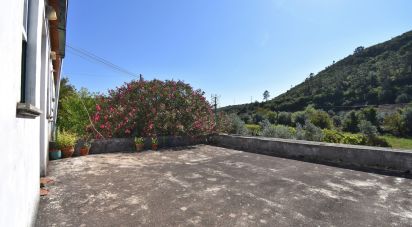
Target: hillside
x=380 y=74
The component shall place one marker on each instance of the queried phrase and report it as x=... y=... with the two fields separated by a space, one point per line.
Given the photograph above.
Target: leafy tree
x=299 y=117
x=237 y=126
x=402 y=98
x=370 y=114
x=272 y=117
x=407 y=120
x=392 y=123
x=350 y=122
x=266 y=95
x=257 y=118
x=359 y=50
x=321 y=119
x=368 y=129
x=76 y=109
x=311 y=132
x=284 y=118
x=66 y=90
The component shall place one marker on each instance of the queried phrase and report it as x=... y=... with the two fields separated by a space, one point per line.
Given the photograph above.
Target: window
x=24 y=108
x=24 y=52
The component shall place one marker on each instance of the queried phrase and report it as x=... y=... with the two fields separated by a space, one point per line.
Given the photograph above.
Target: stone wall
x=127 y=144
x=338 y=154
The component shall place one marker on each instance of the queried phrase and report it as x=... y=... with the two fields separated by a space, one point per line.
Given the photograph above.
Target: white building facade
x=32 y=46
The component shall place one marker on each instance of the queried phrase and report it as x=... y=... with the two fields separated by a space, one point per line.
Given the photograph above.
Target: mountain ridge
x=379 y=74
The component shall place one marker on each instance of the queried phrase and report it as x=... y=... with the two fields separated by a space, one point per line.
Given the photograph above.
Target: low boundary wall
x=127 y=144
x=338 y=154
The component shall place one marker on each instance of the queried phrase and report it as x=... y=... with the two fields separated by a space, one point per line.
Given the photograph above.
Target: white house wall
x=20 y=137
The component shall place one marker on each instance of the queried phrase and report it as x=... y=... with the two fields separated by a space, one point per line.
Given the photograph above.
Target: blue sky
x=233 y=48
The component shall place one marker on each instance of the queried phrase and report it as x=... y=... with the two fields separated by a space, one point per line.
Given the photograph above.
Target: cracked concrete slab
x=212 y=186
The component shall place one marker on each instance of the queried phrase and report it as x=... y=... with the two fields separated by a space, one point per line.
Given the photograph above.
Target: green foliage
x=284 y=118
x=87 y=144
x=355 y=139
x=402 y=98
x=223 y=123
x=73 y=116
x=407 y=120
x=368 y=129
x=237 y=126
x=253 y=130
x=299 y=117
x=138 y=140
x=278 y=131
x=337 y=121
x=369 y=114
x=300 y=132
x=332 y=136
x=320 y=119
x=401 y=143
x=266 y=95
x=392 y=123
x=265 y=123
x=350 y=122
x=65 y=139
x=378 y=142
x=257 y=118
x=272 y=117
x=312 y=133
x=154 y=140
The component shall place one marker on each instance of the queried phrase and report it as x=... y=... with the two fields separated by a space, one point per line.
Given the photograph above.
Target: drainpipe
x=56 y=106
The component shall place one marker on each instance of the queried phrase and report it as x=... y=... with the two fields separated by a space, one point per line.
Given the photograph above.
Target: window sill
x=26 y=110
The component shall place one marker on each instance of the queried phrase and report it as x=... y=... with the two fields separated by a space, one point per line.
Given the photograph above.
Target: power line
x=91 y=56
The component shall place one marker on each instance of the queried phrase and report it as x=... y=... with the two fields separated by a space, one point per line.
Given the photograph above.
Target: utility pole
x=215 y=101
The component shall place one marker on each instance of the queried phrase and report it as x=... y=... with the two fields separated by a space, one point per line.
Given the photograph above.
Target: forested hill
x=380 y=74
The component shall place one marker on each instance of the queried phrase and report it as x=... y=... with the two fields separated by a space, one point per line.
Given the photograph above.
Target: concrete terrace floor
x=212 y=186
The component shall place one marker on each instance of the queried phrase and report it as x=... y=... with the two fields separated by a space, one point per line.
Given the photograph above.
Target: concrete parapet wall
x=127 y=144
x=340 y=154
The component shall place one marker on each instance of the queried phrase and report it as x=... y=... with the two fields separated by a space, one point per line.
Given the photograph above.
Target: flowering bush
x=148 y=108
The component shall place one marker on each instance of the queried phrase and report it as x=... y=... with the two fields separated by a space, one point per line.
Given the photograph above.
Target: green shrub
x=367 y=129
x=392 y=123
x=299 y=117
x=309 y=132
x=284 y=118
x=337 y=121
x=354 y=139
x=332 y=136
x=407 y=120
x=278 y=131
x=369 y=114
x=223 y=123
x=350 y=122
x=402 y=98
x=272 y=117
x=378 y=141
x=65 y=139
x=265 y=123
x=253 y=130
x=320 y=119
x=312 y=133
x=237 y=126
x=300 y=132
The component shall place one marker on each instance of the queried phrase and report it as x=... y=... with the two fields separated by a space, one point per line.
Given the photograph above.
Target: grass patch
x=401 y=143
